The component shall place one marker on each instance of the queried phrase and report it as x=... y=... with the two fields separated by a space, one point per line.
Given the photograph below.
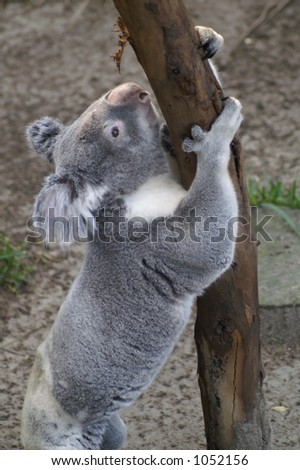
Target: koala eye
x=115 y=131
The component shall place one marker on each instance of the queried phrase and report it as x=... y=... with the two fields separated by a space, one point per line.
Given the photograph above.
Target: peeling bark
x=227 y=327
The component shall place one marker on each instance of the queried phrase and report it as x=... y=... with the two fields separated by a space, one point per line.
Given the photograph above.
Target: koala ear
x=42 y=135
x=64 y=210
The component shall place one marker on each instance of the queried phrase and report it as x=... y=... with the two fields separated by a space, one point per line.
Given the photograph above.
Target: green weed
x=275 y=196
x=14 y=266
x=274 y=193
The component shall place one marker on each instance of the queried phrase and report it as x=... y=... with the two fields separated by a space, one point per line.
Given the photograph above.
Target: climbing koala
x=146 y=260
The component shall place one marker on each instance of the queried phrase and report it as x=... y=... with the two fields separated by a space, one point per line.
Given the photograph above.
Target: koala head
x=111 y=149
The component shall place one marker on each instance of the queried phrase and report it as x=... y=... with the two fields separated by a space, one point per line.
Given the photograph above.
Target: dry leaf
x=120 y=27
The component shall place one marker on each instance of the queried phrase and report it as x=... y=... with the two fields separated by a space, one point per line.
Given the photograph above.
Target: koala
x=151 y=248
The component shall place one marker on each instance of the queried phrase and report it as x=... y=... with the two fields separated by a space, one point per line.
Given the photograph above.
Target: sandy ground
x=56 y=61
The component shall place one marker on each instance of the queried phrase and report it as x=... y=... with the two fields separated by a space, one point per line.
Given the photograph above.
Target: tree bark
x=227 y=330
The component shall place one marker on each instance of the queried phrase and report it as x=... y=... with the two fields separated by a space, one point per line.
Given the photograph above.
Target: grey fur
x=131 y=299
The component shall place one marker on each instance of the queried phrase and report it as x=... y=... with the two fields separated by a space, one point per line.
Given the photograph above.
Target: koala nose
x=128 y=93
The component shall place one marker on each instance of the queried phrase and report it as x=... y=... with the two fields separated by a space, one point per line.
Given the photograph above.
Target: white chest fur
x=159 y=196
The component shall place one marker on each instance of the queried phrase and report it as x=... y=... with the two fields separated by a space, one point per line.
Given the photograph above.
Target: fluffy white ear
x=65 y=210
x=42 y=136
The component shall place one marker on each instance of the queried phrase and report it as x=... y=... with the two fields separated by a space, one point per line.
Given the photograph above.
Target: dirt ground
x=56 y=60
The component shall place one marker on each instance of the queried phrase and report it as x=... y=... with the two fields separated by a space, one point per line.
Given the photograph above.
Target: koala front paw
x=230 y=119
x=210 y=41
x=194 y=144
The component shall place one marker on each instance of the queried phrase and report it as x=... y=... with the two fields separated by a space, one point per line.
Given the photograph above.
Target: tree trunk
x=227 y=328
